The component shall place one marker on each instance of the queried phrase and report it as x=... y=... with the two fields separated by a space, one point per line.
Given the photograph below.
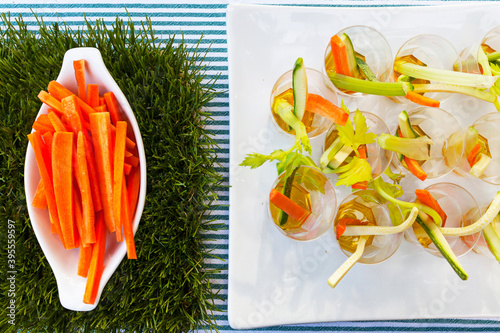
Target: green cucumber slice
x=287 y=191
x=340 y=157
x=441 y=243
x=405 y=126
x=351 y=55
x=299 y=86
x=330 y=153
x=492 y=239
x=366 y=70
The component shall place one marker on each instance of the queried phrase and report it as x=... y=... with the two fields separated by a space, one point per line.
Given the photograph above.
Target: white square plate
x=274 y=280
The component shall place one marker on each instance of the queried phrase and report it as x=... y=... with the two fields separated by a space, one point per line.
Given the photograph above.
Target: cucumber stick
x=366 y=70
x=330 y=153
x=287 y=191
x=351 y=55
x=406 y=129
x=493 y=240
x=441 y=243
x=299 y=86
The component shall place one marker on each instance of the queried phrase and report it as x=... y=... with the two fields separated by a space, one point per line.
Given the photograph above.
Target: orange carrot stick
x=339 y=55
x=72 y=112
x=471 y=157
x=48 y=99
x=44 y=119
x=99 y=127
x=88 y=234
x=57 y=122
x=84 y=258
x=426 y=198
x=96 y=262
x=62 y=154
x=415 y=168
x=102 y=101
x=133 y=187
x=288 y=206
x=421 y=99
x=78 y=213
x=130 y=142
x=126 y=217
x=127 y=168
x=325 y=108
x=92 y=95
x=40 y=200
x=132 y=160
x=59 y=92
x=119 y=158
x=101 y=108
x=42 y=128
x=113 y=107
x=44 y=166
x=79 y=67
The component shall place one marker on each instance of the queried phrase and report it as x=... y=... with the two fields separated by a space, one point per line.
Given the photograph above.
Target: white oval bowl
x=64 y=263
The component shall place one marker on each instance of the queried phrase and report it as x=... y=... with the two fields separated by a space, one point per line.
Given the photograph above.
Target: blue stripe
x=114 y=5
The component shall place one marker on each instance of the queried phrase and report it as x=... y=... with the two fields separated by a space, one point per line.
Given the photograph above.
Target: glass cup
x=468 y=59
x=482 y=247
x=312 y=191
x=431 y=50
x=447 y=137
x=371 y=46
x=461 y=210
x=488 y=133
x=378 y=158
x=317 y=83
x=369 y=207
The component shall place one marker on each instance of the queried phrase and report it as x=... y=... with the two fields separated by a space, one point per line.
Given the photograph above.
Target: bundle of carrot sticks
x=89 y=169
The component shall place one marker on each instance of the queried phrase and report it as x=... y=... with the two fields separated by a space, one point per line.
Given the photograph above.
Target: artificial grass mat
x=167 y=289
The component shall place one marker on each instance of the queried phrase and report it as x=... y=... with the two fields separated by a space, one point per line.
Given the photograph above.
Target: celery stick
x=452 y=88
x=369 y=87
x=444 y=76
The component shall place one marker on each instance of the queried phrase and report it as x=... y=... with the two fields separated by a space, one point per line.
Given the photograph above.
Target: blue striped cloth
x=195 y=18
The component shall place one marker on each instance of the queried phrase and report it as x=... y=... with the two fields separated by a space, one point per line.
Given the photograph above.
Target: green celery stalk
x=494 y=56
x=369 y=87
x=414 y=148
x=453 y=88
x=444 y=76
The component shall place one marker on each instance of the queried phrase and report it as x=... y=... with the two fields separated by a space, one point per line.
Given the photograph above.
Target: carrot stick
x=84 y=258
x=59 y=92
x=40 y=200
x=421 y=99
x=72 y=112
x=288 y=206
x=102 y=101
x=42 y=128
x=415 y=168
x=44 y=119
x=92 y=95
x=48 y=99
x=127 y=168
x=62 y=154
x=471 y=157
x=44 y=166
x=339 y=54
x=130 y=142
x=133 y=187
x=325 y=108
x=132 y=160
x=119 y=158
x=128 y=231
x=364 y=184
x=96 y=266
x=426 y=198
x=88 y=234
x=57 y=122
x=113 y=107
x=101 y=108
x=99 y=127
x=79 y=66
x=78 y=213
